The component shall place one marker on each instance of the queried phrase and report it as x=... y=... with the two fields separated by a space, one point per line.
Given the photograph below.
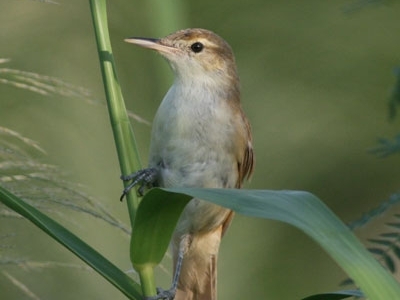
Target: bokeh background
x=315 y=76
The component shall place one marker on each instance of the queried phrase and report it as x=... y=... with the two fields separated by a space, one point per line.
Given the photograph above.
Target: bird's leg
x=146 y=178
x=170 y=294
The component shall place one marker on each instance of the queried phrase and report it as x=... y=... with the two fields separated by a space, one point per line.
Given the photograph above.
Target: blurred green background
x=315 y=81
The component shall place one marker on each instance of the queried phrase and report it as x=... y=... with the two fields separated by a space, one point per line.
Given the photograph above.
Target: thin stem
x=146 y=275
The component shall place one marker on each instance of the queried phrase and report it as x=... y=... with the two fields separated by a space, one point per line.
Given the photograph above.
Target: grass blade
x=90 y=256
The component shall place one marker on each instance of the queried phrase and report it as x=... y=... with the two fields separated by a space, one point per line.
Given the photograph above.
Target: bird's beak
x=154 y=44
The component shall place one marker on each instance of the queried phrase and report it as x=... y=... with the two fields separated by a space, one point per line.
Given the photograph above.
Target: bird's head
x=194 y=52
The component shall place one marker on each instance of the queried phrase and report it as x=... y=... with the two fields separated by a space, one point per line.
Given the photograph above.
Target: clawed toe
x=163 y=295
x=146 y=178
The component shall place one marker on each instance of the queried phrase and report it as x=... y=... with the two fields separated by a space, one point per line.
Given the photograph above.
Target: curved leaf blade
x=300 y=209
x=70 y=241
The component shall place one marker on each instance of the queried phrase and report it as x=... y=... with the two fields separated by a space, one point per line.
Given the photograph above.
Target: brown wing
x=246 y=157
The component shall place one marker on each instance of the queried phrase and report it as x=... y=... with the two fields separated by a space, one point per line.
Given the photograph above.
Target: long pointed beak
x=154 y=44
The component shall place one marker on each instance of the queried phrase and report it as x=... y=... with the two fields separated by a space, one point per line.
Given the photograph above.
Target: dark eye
x=197 y=47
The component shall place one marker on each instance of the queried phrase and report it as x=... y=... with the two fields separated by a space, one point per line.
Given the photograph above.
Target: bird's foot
x=146 y=178
x=163 y=294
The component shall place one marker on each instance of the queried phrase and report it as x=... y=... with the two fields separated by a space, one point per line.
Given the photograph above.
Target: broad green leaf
x=335 y=295
x=154 y=223
x=300 y=209
x=90 y=256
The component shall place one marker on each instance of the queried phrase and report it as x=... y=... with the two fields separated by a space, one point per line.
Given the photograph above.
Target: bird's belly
x=197 y=166
x=193 y=147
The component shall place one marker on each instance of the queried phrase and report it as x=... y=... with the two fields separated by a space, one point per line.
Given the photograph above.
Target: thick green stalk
x=123 y=135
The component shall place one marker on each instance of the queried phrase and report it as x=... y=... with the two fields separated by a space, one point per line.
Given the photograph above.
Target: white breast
x=192 y=138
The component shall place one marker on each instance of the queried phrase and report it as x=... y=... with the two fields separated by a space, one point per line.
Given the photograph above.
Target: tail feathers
x=198 y=277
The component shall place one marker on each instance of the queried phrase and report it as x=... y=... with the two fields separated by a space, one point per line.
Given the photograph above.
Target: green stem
x=123 y=135
x=146 y=275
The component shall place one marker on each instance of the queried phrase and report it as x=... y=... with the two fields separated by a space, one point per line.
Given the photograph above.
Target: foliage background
x=315 y=79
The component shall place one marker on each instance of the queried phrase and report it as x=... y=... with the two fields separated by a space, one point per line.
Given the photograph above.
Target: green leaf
x=300 y=209
x=94 y=259
x=154 y=224
x=335 y=295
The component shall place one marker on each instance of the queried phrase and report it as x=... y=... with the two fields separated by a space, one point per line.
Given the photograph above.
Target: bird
x=200 y=138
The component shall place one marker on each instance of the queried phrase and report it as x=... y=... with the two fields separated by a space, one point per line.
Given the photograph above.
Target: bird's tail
x=198 y=275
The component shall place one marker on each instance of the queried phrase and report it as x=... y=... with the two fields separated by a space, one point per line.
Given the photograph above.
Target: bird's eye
x=197 y=47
